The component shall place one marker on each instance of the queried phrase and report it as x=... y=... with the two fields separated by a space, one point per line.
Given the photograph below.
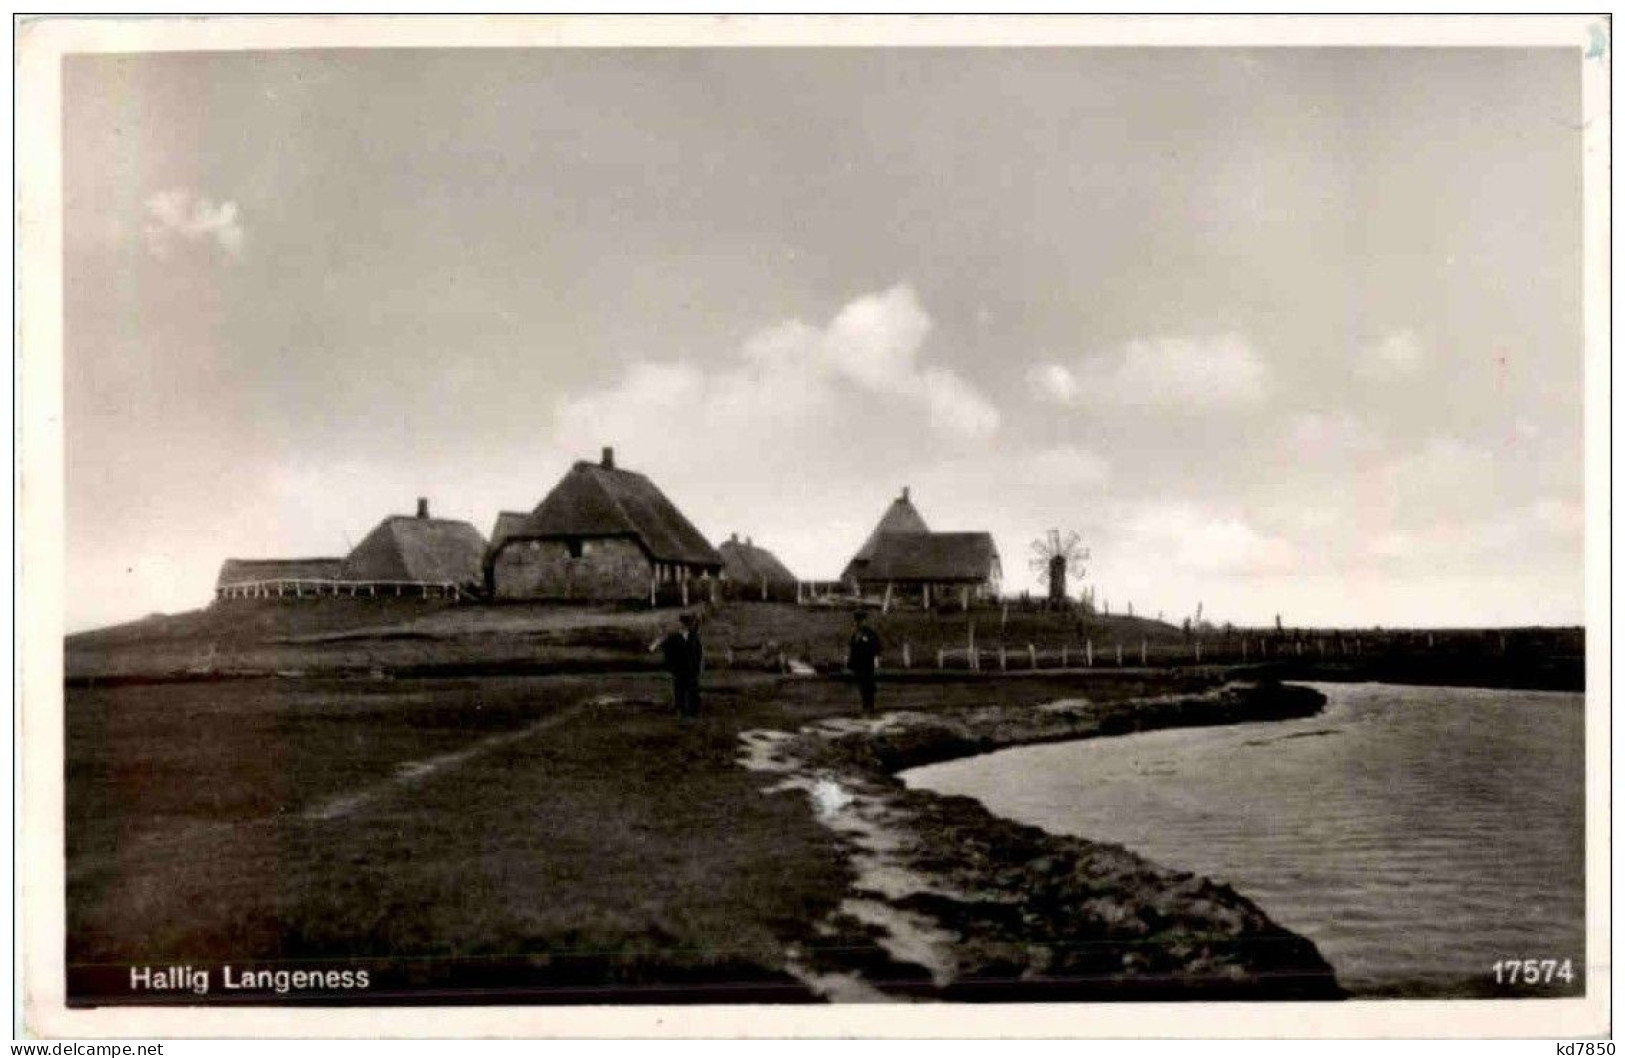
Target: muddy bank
x=952 y=902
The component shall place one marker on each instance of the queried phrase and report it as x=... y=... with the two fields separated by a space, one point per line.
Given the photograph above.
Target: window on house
x=575 y=548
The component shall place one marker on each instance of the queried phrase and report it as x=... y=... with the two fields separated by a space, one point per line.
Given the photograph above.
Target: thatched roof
x=746 y=563
x=508 y=524
x=249 y=570
x=594 y=500
x=422 y=550
x=933 y=557
x=900 y=517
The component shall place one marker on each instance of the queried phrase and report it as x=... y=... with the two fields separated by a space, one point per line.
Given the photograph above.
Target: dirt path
x=415 y=771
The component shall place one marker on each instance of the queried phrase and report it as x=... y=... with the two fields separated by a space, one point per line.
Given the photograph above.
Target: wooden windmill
x=1057 y=557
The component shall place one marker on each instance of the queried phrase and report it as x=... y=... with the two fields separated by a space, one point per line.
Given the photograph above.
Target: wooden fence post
x=940 y=659
x=1119 y=653
x=975 y=661
x=1089 y=653
x=1001 y=657
x=1032 y=654
x=1142 y=652
x=905 y=654
x=1198 y=651
x=1243 y=648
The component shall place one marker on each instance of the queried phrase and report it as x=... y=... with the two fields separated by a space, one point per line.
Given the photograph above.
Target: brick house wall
x=546 y=569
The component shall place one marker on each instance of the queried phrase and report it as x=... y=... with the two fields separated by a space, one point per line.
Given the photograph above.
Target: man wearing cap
x=684 y=657
x=862 y=651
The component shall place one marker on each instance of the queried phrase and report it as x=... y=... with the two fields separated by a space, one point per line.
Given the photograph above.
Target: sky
x=1276 y=331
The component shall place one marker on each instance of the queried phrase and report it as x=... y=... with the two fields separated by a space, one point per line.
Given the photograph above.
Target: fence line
x=301 y=587
x=999 y=655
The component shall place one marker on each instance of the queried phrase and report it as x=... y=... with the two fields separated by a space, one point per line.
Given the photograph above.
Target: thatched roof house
x=900 y=517
x=755 y=571
x=418 y=550
x=237 y=575
x=508 y=523
x=934 y=558
x=902 y=556
x=601 y=533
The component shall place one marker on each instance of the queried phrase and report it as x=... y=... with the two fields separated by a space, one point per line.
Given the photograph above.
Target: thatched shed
x=754 y=572
x=934 y=566
x=900 y=517
x=904 y=557
x=254 y=577
x=602 y=533
x=508 y=523
x=417 y=550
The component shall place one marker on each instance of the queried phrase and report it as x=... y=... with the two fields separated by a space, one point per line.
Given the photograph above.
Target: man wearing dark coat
x=684 y=658
x=862 y=651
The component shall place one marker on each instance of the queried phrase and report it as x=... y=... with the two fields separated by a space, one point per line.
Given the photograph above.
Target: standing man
x=684 y=657
x=862 y=651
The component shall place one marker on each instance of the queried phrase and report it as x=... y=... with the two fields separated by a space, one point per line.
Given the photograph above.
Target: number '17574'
x=1533 y=971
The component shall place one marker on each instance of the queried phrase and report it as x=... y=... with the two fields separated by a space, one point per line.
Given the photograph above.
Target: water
x=1416 y=834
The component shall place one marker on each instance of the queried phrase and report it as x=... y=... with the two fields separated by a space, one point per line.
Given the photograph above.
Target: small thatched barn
x=900 y=517
x=603 y=533
x=418 y=550
x=934 y=567
x=248 y=578
x=904 y=558
x=751 y=572
x=508 y=523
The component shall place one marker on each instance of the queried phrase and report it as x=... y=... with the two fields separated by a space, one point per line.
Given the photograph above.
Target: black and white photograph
x=894 y=517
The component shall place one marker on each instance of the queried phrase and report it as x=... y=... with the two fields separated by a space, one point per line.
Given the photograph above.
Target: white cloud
x=787 y=376
x=1444 y=477
x=179 y=215
x=1053 y=382
x=956 y=408
x=1509 y=537
x=1199 y=542
x=1329 y=435
x=1399 y=354
x=1022 y=479
x=1162 y=373
x=876 y=339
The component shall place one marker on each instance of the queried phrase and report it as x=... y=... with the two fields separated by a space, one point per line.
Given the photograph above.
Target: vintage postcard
x=811 y=526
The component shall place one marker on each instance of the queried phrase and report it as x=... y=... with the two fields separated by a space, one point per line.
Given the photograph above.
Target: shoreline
x=952 y=902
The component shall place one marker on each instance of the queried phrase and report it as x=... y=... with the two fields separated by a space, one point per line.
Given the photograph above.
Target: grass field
x=558 y=834
x=533 y=822
x=419 y=638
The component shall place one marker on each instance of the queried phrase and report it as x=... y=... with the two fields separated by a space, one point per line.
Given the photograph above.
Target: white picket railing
x=300 y=587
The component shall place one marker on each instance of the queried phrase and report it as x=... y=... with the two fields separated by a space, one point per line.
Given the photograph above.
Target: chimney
x=608 y=462
x=748 y=543
x=905 y=494
x=423 y=506
x=733 y=538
